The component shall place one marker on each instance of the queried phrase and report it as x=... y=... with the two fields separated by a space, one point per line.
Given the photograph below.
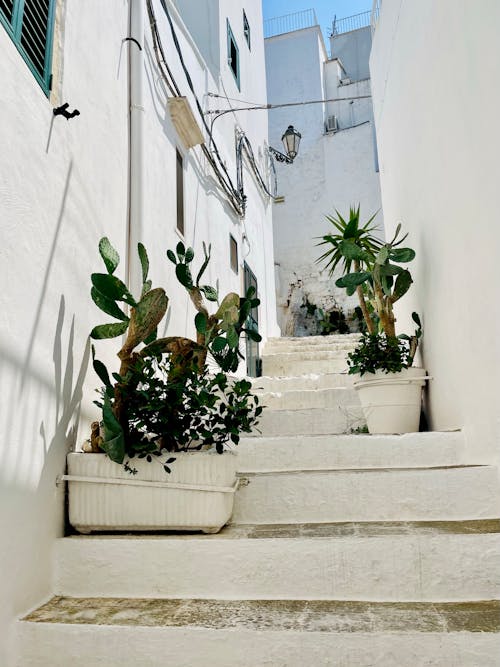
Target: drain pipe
x=135 y=41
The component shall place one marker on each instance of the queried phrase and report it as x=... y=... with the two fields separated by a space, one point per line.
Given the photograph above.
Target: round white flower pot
x=198 y=494
x=391 y=402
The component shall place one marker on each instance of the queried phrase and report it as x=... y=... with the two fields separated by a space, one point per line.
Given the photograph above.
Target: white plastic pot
x=197 y=495
x=391 y=402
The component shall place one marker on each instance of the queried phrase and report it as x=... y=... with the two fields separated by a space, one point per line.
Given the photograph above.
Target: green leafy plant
x=374 y=271
x=351 y=246
x=381 y=352
x=218 y=333
x=192 y=411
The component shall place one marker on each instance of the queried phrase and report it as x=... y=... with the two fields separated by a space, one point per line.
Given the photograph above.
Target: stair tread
x=359 y=529
x=331 y=616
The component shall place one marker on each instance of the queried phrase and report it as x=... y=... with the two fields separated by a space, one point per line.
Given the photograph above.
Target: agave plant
x=353 y=246
x=218 y=333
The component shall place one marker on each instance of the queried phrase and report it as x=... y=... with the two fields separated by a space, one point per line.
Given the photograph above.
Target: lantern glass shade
x=291 y=140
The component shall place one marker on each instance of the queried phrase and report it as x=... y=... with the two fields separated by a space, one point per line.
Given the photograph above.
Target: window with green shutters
x=30 y=24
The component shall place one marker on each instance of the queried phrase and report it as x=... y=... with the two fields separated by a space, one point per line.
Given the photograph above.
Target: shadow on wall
x=39 y=416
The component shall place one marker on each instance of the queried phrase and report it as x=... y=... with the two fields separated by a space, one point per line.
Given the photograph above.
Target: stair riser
x=341 y=348
x=350 y=451
x=314 y=340
x=302 y=383
x=408 y=495
x=340 y=419
x=302 y=399
x=390 y=568
x=281 y=365
x=95 y=646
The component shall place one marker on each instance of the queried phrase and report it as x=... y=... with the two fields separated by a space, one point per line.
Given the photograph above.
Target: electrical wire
x=224 y=179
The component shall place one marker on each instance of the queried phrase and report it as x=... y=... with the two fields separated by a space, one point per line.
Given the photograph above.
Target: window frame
x=231 y=41
x=180 y=217
x=246 y=30
x=233 y=254
x=14 y=30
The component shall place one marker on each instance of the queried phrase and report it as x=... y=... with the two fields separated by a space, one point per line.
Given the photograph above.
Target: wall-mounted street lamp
x=291 y=141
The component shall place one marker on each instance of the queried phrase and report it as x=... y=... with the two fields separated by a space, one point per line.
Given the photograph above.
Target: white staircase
x=345 y=549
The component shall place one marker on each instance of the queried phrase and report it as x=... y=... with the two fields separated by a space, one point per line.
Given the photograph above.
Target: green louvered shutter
x=30 y=24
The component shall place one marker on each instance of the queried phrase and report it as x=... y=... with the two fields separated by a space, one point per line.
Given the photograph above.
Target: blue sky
x=325 y=9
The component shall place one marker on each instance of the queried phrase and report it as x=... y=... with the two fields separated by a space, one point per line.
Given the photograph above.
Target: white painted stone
x=369 y=495
x=339 y=419
x=300 y=399
x=420 y=566
x=123 y=646
x=307 y=452
x=307 y=362
x=302 y=382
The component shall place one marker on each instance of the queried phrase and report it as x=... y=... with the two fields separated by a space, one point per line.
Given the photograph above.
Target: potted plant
x=154 y=461
x=389 y=387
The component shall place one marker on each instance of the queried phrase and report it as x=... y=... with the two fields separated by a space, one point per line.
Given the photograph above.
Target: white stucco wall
x=434 y=66
x=63 y=185
x=332 y=171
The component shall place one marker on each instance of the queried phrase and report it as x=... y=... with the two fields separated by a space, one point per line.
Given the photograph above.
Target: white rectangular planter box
x=197 y=495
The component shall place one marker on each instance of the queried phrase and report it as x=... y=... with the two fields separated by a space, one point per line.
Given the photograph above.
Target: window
x=180 y=191
x=233 y=253
x=246 y=29
x=30 y=24
x=233 y=56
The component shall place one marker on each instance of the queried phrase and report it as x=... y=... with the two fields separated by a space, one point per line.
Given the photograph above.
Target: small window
x=30 y=25
x=246 y=29
x=233 y=55
x=233 y=253
x=180 y=192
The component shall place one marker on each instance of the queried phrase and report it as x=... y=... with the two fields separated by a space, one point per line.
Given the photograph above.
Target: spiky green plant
x=352 y=246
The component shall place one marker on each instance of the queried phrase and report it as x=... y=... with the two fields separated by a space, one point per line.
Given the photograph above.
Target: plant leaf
x=232 y=337
x=109 y=330
x=382 y=255
x=109 y=254
x=189 y=255
x=180 y=249
x=112 y=288
x=209 y=292
x=205 y=262
x=201 y=322
x=184 y=275
x=100 y=369
x=219 y=344
x=146 y=316
x=171 y=256
x=113 y=439
x=415 y=317
x=352 y=280
x=109 y=306
x=402 y=255
x=402 y=285
x=143 y=256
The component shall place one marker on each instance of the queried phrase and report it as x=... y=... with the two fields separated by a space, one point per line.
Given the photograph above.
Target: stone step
x=299 y=341
x=290 y=363
x=339 y=419
x=301 y=382
x=425 y=561
x=397 y=494
x=297 y=399
x=98 y=632
x=317 y=452
x=298 y=348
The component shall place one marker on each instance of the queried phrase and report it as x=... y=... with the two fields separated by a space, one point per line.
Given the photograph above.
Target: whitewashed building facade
x=64 y=183
x=433 y=68
x=337 y=163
